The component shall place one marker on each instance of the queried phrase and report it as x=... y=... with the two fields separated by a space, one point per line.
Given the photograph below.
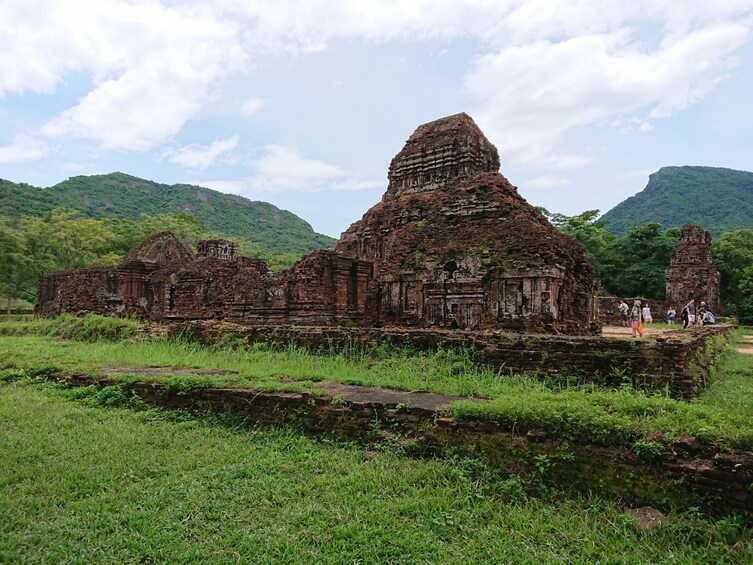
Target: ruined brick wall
x=218 y=249
x=680 y=363
x=452 y=245
x=161 y=248
x=82 y=290
x=462 y=249
x=688 y=473
x=126 y=289
x=691 y=273
x=321 y=289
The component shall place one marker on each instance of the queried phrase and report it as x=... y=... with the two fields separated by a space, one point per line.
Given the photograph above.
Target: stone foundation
x=689 y=474
x=679 y=361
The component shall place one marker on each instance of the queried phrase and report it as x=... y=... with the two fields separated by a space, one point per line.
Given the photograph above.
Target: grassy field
x=80 y=483
x=612 y=413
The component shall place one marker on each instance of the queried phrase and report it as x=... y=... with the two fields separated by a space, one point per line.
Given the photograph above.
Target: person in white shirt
x=647 y=314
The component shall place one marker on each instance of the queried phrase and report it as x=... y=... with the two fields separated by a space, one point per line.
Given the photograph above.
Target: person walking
x=684 y=316
x=702 y=309
x=635 y=319
x=690 y=306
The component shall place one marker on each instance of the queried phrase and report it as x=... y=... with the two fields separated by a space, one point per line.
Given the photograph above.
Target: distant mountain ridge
x=720 y=200
x=118 y=195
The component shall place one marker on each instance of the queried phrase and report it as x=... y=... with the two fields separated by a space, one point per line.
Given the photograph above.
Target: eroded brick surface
x=452 y=245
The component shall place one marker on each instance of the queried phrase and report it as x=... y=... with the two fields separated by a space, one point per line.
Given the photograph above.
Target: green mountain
x=118 y=195
x=720 y=200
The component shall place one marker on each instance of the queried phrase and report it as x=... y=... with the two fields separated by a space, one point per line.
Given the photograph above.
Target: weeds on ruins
x=453 y=289
x=609 y=412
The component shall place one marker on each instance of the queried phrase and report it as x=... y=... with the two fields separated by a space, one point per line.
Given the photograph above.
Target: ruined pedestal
x=691 y=273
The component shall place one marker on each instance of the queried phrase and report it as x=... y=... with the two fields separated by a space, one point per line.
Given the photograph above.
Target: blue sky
x=303 y=104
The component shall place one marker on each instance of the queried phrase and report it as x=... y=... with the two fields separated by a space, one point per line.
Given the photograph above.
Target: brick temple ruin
x=451 y=245
x=691 y=273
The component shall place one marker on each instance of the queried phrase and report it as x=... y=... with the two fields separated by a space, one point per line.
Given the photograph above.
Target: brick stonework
x=451 y=245
x=691 y=273
x=687 y=473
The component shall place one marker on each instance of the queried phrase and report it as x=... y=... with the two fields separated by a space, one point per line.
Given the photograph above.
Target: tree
x=16 y=278
x=590 y=232
x=733 y=256
x=62 y=240
x=635 y=264
x=632 y=265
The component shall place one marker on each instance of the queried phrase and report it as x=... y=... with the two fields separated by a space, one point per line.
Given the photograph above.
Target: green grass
x=602 y=415
x=84 y=484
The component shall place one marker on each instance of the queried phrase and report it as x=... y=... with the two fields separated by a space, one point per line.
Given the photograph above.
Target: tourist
x=635 y=319
x=623 y=310
x=647 y=314
x=702 y=309
x=684 y=316
x=709 y=318
x=671 y=315
x=690 y=306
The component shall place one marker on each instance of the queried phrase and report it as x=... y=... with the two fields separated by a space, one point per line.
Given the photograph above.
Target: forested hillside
x=121 y=196
x=720 y=200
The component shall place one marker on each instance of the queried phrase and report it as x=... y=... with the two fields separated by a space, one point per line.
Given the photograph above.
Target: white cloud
x=200 y=157
x=23 y=148
x=545 y=182
x=530 y=95
x=544 y=68
x=282 y=168
x=252 y=105
x=153 y=67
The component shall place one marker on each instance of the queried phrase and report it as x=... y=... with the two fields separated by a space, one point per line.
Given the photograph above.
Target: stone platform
x=678 y=360
x=685 y=474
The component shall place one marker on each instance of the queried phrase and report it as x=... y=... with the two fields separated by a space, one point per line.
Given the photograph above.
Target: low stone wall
x=679 y=361
x=689 y=474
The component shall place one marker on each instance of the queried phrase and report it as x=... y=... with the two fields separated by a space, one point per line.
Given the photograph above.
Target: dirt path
x=748 y=350
x=610 y=331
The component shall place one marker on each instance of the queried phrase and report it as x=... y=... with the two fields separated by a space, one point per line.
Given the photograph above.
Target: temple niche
x=691 y=273
x=451 y=245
